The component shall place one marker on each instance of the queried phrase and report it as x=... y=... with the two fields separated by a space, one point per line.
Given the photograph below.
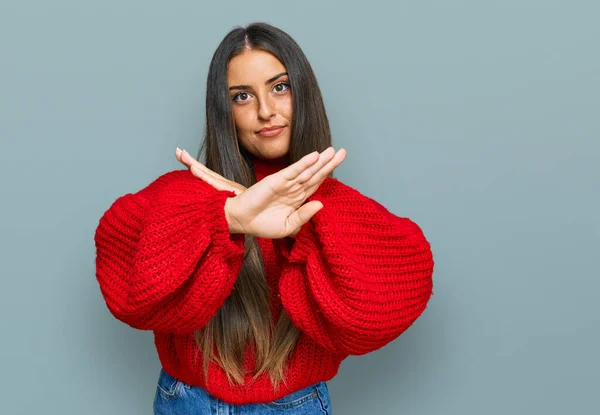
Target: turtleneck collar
x=263 y=168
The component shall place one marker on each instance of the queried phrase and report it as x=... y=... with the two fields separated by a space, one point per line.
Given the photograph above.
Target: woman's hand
x=274 y=207
x=204 y=173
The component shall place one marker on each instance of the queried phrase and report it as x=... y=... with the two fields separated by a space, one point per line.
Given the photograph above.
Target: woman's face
x=261 y=98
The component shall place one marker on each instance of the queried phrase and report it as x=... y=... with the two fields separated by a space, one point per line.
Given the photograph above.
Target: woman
x=258 y=271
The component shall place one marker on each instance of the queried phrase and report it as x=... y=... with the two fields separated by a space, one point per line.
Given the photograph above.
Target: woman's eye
x=244 y=96
x=281 y=84
x=240 y=95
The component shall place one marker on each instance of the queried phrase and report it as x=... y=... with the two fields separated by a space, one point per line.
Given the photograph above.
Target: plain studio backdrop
x=479 y=120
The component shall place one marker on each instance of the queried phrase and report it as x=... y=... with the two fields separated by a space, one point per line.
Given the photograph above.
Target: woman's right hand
x=274 y=207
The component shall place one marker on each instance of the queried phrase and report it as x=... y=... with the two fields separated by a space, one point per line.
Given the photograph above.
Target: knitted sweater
x=352 y=280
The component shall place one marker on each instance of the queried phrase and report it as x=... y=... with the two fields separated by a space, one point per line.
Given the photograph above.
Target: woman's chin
x=274 y=154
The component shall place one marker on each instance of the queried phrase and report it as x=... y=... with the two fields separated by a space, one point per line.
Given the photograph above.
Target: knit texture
x=353 y=279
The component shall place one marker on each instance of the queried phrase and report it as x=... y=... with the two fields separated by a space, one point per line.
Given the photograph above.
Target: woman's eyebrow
x=267 y=82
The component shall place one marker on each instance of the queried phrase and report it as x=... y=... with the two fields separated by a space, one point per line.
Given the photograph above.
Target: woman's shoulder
x=334 y=190
x=176 y=180
x=332 y=186
x=174 y=176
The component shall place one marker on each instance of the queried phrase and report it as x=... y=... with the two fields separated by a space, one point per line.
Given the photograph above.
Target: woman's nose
x=266 y=108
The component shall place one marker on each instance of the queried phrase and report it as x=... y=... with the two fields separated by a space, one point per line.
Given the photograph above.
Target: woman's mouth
x=271 y=131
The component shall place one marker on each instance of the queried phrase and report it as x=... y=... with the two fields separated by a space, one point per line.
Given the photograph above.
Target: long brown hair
x=245 y=316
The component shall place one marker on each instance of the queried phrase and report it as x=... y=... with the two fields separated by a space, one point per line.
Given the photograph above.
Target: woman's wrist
x=234 y=225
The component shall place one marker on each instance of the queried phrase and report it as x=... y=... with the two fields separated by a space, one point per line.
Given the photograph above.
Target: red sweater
x=352 y=280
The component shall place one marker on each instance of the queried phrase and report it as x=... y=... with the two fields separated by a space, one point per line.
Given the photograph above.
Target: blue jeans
x=176 y=397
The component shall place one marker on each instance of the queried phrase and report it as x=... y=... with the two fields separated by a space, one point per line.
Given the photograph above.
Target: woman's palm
x=274 y=207
x=269 y=208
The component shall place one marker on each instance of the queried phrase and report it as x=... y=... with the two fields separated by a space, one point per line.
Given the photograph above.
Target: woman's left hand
x=204 y=173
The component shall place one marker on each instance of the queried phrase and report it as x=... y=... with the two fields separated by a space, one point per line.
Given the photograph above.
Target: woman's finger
x=309 y=172
x=215 y=182
x=294 y=170
x=181 y=157
x=189 y=161
x=178 y=154
x=204 y=173
x=314 y=182
x=312 y=171
x=303 y=215
x=324 y=171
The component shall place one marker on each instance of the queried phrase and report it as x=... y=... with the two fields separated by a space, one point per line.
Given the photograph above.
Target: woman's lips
x=271 y=133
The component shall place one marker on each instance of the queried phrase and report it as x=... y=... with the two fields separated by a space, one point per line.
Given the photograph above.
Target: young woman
x=258 y=271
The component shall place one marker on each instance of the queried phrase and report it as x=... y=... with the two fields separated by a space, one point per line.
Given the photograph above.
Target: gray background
x=477 y=119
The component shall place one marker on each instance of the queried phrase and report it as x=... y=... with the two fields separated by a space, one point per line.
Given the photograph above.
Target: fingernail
x=178 y=149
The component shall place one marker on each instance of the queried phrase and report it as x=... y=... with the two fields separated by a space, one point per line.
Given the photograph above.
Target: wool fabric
x=353 y=279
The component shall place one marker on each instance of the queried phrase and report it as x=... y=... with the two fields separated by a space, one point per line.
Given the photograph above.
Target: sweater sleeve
x=165 y=260
x=356 y=276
